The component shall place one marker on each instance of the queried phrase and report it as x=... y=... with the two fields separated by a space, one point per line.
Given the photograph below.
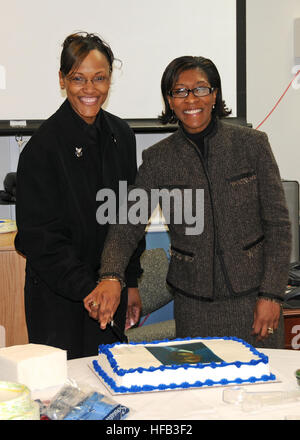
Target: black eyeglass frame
x=210 y=90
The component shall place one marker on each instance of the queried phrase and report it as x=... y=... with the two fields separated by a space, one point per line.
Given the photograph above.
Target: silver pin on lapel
x=78 y=151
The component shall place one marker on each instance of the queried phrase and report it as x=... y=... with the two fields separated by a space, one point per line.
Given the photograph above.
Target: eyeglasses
x=197 y=91
x=81 y=81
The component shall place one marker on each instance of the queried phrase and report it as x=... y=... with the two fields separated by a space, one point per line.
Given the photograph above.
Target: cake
x=36 y=366
x=16 y=403
x=180 y=363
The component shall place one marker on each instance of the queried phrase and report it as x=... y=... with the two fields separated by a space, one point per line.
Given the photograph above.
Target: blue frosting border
x=105 y=349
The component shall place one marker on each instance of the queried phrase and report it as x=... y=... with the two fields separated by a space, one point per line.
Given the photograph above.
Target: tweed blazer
x=246 y=221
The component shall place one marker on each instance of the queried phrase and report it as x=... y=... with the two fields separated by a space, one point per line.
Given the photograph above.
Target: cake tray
x=115 y=393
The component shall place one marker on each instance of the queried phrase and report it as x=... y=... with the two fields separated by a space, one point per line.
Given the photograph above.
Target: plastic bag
x=75 y=403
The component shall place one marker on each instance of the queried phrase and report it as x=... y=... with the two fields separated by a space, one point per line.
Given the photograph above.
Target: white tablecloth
x=197 y=404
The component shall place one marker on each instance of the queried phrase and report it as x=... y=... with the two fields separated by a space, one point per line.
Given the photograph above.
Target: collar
x=219 y=138
x=81 y=122
x=209 y=131
x=102 y=122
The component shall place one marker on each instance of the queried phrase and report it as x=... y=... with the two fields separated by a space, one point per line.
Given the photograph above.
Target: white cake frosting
x=16 y=403
x=36 y=366
x=212 y=361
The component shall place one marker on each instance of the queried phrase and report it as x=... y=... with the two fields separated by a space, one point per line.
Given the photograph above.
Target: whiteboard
x=144 y=34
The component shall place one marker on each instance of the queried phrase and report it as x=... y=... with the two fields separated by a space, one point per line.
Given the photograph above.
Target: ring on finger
x=94 y=304
x=270 y=330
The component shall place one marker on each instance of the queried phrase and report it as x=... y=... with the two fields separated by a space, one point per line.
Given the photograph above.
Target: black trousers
x=56 y=321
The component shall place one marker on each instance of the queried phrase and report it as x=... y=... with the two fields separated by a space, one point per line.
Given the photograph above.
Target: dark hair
x=171 y=74
x=77 y=46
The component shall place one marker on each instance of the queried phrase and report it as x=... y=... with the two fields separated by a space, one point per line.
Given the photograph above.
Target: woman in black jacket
x=78 y=151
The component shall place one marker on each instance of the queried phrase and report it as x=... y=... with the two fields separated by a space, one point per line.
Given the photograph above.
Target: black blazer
x=56 y=200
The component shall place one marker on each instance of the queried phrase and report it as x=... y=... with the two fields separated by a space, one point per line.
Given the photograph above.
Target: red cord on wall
x=278 y=101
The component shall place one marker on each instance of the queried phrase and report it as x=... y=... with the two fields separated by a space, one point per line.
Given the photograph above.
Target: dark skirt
x=225 y=316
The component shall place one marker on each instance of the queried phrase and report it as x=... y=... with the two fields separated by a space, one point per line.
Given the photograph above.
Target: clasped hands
x=103 y=301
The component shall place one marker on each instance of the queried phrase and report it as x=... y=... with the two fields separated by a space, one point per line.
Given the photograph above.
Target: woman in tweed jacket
x=228 y=278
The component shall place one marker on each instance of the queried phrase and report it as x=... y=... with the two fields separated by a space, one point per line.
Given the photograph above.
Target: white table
x=197 y=404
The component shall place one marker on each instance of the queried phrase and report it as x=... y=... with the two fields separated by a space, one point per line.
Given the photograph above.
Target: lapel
x=76 y=158
x=218 y=159
x=117 y=159
x=71 y=130
x=111 y=163
x=74 y=154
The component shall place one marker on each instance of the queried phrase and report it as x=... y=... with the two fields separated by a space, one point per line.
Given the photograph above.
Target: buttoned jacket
x=246 y=220
x=56 y=200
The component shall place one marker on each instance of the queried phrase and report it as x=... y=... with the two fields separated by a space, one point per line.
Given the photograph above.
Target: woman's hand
x=134 y=307
x=266 y=318
x=103 y=301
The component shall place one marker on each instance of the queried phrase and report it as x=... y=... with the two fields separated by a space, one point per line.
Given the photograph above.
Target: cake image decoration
x=193 y=353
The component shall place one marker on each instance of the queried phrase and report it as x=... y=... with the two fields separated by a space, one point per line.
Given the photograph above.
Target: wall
x=269 y=66
x=145 y=35
x=269 y=71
